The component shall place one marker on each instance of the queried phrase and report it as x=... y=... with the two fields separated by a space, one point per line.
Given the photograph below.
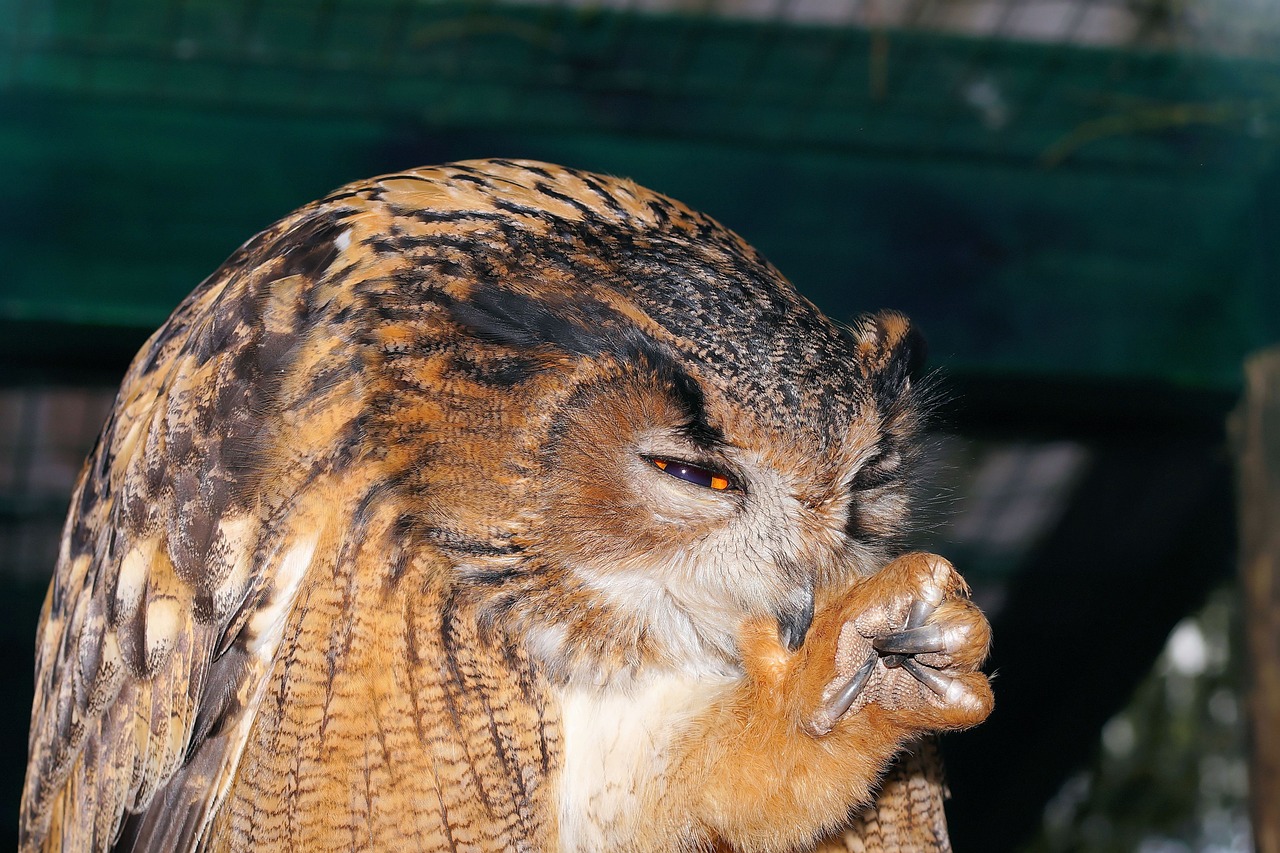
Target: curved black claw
x=844 y=698
x=912 y=641
x=921 y=610
x=917 y=638
x=931 y=678
x=848 y=694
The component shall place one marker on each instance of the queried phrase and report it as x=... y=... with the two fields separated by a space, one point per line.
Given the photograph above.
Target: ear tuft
x=892 y=351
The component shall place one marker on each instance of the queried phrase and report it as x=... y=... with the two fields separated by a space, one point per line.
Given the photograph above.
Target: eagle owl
x=495 y=506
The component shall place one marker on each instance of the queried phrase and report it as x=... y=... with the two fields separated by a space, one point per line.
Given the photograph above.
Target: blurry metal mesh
x=45 y=435
x=1040 y=81
x=1235 y=27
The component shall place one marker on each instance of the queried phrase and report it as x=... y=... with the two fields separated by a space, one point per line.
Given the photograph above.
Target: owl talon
x=911 y=641
x=921 y=610
x=931 y=678
x=840 y=703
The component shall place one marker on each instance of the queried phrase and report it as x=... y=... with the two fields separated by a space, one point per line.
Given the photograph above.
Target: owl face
x=694 y=513
x=661 y=435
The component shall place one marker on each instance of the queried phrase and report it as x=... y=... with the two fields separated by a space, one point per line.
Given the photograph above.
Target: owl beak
x=794 y=618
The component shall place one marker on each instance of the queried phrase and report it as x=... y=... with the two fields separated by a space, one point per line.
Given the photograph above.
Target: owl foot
x=910 y=641
x=808 y=731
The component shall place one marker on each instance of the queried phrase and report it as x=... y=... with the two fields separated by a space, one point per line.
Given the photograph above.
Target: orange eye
x=692 y=473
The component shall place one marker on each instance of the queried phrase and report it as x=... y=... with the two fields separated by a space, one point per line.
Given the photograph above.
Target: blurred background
x=1078 y=201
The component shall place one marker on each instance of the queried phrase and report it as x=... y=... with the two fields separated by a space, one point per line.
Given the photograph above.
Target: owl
x=496 y=506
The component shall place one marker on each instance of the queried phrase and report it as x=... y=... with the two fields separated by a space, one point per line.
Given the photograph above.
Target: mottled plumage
x=375 y=553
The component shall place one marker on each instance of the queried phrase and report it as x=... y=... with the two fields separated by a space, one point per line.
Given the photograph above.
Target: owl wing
x=179 y=562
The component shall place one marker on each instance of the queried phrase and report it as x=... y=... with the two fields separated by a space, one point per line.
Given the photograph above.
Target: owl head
x=620 y=422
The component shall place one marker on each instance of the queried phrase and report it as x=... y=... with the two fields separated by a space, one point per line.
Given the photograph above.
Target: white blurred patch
x=1187 y=649
x=1119 y=737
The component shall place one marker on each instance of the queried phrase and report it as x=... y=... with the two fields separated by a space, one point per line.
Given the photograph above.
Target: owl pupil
x=691 y=473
